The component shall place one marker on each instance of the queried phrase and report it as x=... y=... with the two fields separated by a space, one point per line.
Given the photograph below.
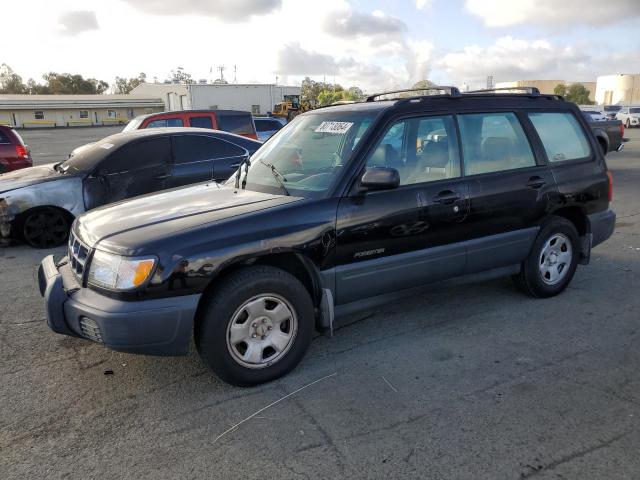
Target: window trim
x=581 y=121
x=214 y=137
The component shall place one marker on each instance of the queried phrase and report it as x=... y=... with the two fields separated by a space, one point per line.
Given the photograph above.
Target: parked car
x=630 y=116
x=611 y=110
x=14 y=154
x=38 y=204
x=267 y=126
x=330 y=217
x=233 y=121
x=608 y=133
x=595 y=115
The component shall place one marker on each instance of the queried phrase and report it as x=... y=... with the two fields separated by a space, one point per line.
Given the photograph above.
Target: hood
x=171 y=211
x=28 y=176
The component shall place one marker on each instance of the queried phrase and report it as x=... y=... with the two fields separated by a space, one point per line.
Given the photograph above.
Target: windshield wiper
x=277 y=175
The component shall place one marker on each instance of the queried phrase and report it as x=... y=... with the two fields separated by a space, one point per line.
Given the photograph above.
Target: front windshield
x=305 y=157
x=133 y=124
x=87 y=158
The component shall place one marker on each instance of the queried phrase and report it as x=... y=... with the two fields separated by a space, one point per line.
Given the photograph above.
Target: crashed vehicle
x=345 y=208
x=38 y=204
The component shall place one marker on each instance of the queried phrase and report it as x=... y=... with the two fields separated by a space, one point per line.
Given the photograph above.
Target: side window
x=175 y=122
x=240 y=123
x=196 y=148
x=422 y=149
x=561 y=135
x=494 y=142
x=201 y=122
x=157 y=124
x=165 y=122
x=137 y=156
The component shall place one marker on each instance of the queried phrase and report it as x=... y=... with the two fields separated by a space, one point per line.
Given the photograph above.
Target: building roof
x=30 y=102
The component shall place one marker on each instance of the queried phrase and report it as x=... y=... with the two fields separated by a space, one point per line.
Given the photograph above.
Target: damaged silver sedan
x=38 y=204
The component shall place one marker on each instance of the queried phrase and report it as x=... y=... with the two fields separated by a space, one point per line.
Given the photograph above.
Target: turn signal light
x=610 y=178
x=142 y=272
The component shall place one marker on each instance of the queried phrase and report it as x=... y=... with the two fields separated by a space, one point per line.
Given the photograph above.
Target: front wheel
x=256 y=327
x=553 y=260
x=46 y=228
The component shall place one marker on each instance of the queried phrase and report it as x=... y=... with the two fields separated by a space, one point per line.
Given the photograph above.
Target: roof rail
x=451 y=91
x=533 y=91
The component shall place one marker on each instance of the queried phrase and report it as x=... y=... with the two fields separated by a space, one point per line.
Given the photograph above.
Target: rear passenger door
x=510 y=189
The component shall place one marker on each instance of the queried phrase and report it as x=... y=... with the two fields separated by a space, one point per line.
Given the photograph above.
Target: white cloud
x=422 y=4
x=347 y=23
x=74 y=23
x=229 y=10
x=559 y=13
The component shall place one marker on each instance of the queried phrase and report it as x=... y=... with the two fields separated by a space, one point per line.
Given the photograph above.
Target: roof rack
x=451 y=91
x=533 y=91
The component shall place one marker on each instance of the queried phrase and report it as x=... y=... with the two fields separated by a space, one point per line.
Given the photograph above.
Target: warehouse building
x=38 y=111
x=256 y=98
x=547 y=86
x=620 y=89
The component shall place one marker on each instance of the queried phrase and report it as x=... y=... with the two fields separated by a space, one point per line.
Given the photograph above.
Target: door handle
x=162 y=176
x=235 y=165
x=447 y=197
x=535 y=182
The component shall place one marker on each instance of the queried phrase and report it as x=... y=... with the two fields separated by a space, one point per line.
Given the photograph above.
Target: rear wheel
x=46 y=228
x=553 y=260
x=256 y=327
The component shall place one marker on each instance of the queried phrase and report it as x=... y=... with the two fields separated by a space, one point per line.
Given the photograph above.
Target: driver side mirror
x=380 y=178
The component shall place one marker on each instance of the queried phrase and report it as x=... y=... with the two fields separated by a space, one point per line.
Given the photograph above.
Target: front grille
x=90 y=329
x=78 y=254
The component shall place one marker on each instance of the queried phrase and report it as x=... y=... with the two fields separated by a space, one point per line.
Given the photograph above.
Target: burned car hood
x=164 y=213
x=28 y=176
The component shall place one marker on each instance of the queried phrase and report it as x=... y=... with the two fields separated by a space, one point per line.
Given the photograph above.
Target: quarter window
x=38 y=115
x=494 y=142
x=562 y=137
x=165 y=122
x=422 y=149
x=196 y=148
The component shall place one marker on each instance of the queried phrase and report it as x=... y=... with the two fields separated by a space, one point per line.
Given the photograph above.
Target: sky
x=375 y=44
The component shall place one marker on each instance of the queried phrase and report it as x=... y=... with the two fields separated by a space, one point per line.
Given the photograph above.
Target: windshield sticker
x=106 y=146
x=337 y=128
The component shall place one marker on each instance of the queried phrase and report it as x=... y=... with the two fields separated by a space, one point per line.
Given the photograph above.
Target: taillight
x=21 y=151
x=610 y=179
x=621 y=129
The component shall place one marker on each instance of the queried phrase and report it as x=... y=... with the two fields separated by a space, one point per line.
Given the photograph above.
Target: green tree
x=579 y=94
x=10 y=82
x=560 y=89
x=423 y=84
x=180 y=76
x=123 y=85
x=68 y=84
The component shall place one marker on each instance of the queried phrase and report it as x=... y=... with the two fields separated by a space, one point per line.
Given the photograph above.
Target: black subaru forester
x=344 y=208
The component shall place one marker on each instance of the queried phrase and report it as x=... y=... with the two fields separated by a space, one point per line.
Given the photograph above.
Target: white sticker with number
x=337 y=128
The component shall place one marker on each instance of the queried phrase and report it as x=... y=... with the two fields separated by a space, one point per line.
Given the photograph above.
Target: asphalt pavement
x=473 y=381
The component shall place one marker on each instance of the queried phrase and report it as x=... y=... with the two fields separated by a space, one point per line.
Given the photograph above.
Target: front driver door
x=136 y=168
x=397 y=239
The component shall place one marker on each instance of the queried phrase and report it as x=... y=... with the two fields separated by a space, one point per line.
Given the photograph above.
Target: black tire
x=212 y=335
x=530 y=279
x=45 y=227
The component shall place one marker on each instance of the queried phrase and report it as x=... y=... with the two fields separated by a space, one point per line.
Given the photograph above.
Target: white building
x=621 y=89
x=251 y=97
x=31 y=111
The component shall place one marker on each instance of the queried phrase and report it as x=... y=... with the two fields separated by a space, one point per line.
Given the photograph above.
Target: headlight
x=119 y=273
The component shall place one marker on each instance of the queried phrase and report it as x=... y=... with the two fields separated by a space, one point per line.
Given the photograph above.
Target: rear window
x=239 y=123
x=267 y=125
x=562 y=137
x=3 y=137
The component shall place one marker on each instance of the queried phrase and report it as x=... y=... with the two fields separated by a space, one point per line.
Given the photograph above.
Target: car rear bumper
x=602 y=225
x=155 y=327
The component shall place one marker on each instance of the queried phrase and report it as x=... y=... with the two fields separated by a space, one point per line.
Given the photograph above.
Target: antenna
x=221 y=68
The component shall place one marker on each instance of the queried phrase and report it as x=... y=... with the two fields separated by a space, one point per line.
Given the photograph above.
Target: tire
x=45 y=227
x=256 y=309
x=553 y=260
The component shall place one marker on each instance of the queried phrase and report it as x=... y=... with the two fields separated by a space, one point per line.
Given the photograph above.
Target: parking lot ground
x=473 y=381
x=50 y=145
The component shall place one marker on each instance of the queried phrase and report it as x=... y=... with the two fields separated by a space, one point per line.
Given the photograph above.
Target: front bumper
x=601 y=225
x=155 y=327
